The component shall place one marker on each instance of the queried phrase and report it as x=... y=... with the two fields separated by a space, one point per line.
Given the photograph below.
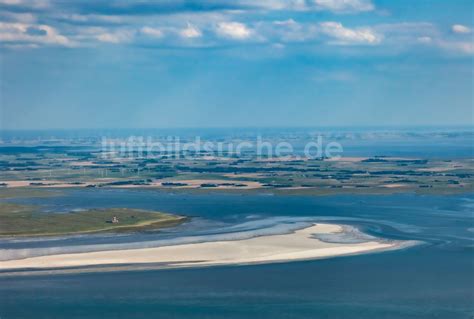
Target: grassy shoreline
x=27 y=221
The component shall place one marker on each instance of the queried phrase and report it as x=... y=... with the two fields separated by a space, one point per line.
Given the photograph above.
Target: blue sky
x=157 y=64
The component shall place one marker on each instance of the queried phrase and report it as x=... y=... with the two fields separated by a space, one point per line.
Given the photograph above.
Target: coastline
x=299 y=245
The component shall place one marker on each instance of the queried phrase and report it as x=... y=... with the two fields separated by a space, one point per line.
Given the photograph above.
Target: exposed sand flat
x=45 y=184
x=394 y=185
x=191 y=183
x=437 y=169
x=214 y=158
x=345 y=159
x=299 y=245
x=196 y=183
x=82 y=163
x=16 y=183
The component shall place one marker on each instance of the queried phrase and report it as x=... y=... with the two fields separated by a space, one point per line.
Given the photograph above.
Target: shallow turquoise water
x=434 y=280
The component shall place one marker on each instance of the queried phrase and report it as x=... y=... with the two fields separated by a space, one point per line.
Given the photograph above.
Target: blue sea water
x=434 y=280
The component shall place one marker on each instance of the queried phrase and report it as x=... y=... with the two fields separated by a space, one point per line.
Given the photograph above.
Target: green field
x=47 y=173
x=23 y=220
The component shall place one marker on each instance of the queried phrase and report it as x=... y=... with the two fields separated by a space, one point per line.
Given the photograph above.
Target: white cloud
x=289 y=22
x=407 y=28
x=190 y=32
x=91 y=18
x=405 y=36
x=459 y=28
x=117 y=36
x=153 y=32
x=18 y=17
x=337 y=6
x=285 y=30
x=234 y=30
x=31 y=33
x=344 y=6
x=459 y=47
x=456 y=47
x=70 y=27
x=346 y=36
x=11 y=2
x=19 y=46
x=408 y=35
x=29 y=3
x=278 y=4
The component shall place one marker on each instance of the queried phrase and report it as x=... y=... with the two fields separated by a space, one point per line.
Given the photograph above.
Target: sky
x=219 y=63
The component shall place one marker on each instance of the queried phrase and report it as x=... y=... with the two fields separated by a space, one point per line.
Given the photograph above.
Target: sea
x=431 y=280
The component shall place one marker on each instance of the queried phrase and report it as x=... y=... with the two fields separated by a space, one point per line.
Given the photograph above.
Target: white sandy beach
x=299 y=245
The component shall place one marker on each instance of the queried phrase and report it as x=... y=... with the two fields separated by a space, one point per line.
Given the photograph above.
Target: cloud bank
x=34 y=24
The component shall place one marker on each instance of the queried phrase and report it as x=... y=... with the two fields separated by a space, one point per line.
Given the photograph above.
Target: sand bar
x=299 y=245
